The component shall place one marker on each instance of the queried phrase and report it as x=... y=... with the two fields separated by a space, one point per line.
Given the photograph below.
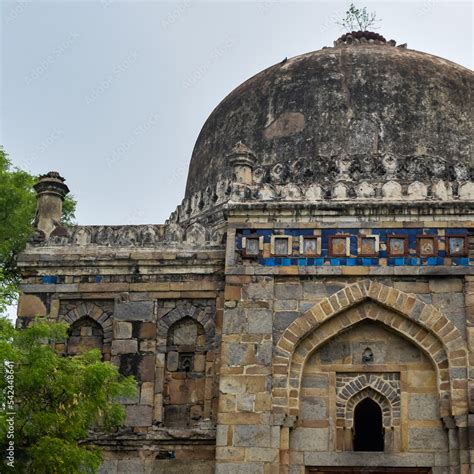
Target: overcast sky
x=113 y=94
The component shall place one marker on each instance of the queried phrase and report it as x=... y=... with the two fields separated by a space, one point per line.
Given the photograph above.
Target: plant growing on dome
x=359 y=19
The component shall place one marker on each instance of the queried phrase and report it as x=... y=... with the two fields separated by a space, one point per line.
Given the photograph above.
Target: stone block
x=195 y=412
x=237 y=353
x=147 y=346
x=309 y=439
x=31 y=305
x=423 y=407
x=186 y=391
x=147 y=393
x=427 y=439
x=146 y=368
x=130 y=466
x=286 y=305
x=263 y=454
x=288 y=291
x=245 y=402
x=147 y=330
x=122 y=330
x=124 y=346
x=239 y=468
x=446 y=285
x=263 y=290
x=264 y=353
x=235 y=321
x=284 y=318
x=134 y=311
x=172 y=361
x=315 y=381
x=138 y=415
x=221 y=435
x=314 y=290
x=259 y=321
x=199 y=363
x=252 y=435
x=313 y=408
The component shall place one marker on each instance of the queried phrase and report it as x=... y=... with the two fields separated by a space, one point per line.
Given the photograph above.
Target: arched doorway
x=368 y=427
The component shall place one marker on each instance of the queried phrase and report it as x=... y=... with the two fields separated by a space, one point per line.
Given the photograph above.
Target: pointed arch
x=187 y=310
x=388 y=417
x=421 y=323
x=94 y=312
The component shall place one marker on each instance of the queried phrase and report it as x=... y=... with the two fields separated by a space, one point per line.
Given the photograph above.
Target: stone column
x=50 y=191
x=453 y=443
x=469 y=301
x=248 y=437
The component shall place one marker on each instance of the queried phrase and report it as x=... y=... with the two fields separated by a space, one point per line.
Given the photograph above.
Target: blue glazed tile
x=383 y=254
x=366 y=261
x=310 y=261
x=353 y=241
x=335 y=261
x=430 y=231
x=278 y=261
x=247 y=231
x=319 y=262
x=98 y=278
x=270 y=262
x=294 y=261
x=286 y=261
x=432 y=261
x=414 y=261
x=262 y=261
x=49 y=279
x=302 y=262
x=351 y=262
x=456 y=231
x=391 y=262
x=460 y=261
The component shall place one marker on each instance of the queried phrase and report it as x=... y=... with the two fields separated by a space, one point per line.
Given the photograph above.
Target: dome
x=372 y=105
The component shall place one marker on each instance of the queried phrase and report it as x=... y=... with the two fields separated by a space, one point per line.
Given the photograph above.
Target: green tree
x=17 y=213
x=358 y=19
x=58 y=400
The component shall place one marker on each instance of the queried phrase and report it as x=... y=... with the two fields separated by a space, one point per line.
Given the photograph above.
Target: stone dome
x=383 y=110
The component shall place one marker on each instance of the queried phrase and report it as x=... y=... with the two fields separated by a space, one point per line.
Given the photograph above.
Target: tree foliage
x=58 y=400
x=358 y=19
x=17 y=213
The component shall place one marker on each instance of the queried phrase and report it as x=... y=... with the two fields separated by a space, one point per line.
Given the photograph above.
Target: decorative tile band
x=367 y=247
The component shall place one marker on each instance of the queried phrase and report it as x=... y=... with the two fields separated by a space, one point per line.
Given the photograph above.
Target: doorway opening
x=368 y=427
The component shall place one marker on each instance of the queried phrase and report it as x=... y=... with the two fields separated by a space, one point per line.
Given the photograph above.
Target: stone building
x=309 y=306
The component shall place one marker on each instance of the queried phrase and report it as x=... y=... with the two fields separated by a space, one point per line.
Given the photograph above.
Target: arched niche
x=185 y=373
x=336 y=377
x=84 y=334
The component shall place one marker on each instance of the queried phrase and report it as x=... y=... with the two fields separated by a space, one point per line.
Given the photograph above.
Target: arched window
x=185 y=375
x=368 y=428
x=83 y=335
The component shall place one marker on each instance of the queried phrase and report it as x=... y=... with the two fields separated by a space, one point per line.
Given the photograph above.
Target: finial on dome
x=242 y=159
x=363 y=37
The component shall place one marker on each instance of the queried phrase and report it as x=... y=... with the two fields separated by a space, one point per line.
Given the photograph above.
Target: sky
x=113 y=94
